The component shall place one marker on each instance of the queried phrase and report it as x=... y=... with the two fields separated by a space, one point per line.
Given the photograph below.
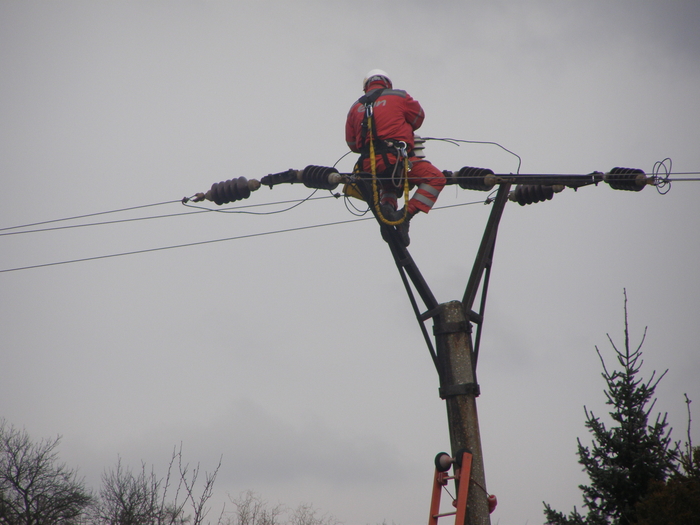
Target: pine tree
x=677 y=500
x=627 y=458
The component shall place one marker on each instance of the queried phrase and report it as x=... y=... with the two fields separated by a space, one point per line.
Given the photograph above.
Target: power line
x=197 y=209
x=201 y=209
x=239 y=209
x=199 y=243
x=87 y=215
x=101 y=223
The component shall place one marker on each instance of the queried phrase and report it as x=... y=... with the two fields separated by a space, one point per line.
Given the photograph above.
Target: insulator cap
x=229 y=191
x=629 y=179
x=468 y=178
x=418 y=147
x=319 y=177
x=530 y=194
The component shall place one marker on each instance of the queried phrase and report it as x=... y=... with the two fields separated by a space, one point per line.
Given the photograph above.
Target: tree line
x=37 y=489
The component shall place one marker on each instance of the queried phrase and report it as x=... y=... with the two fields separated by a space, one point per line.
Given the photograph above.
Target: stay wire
x=200 y=243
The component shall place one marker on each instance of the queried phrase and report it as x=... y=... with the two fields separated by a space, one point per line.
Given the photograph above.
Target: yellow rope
x=375 y=189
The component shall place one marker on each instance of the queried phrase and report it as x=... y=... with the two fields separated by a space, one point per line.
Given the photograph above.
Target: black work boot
x=392 y=215
x=402 y=229
x=389 y=212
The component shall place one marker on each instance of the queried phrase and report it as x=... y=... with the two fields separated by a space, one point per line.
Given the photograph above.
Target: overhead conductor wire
x=663 y=185
x=246 y=236
x=197 y=209
x=87 y=215
x=198 y=243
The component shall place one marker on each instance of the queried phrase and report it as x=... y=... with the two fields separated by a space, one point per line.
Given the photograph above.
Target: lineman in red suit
x=396 y=115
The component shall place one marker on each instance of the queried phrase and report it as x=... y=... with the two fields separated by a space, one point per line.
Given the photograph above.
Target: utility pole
x=459 y=389
x=456 y=362
x=455 y=354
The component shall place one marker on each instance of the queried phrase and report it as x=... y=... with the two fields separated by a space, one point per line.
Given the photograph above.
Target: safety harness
x=382 y=147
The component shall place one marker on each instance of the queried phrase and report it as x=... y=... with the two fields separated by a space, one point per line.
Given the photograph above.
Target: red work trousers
x=427 y=179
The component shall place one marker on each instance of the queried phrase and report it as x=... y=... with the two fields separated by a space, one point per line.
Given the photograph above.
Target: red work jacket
x=396 y=116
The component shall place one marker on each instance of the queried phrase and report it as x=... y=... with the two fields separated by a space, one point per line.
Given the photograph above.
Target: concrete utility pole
x=459 y=389
x=456 y=363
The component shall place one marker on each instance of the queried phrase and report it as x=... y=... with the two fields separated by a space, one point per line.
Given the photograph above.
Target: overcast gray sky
x=295 y=356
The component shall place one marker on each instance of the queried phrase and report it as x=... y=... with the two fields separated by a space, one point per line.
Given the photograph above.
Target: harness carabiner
x=402 y=148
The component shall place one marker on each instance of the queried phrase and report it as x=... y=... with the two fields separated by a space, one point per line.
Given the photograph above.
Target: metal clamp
x=453 y=328
x=465 y=389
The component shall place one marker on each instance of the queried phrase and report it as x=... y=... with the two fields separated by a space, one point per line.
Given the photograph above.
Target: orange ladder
x=461 y=478
x=462 y=471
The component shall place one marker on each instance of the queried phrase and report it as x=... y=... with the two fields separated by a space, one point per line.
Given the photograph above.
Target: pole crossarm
x=468 y=178
x=484 y=179
x=490 y=180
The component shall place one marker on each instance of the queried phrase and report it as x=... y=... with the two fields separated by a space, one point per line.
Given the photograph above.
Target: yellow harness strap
x=375 y=188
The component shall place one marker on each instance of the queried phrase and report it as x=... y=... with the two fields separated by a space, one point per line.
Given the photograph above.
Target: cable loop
x=663 y=184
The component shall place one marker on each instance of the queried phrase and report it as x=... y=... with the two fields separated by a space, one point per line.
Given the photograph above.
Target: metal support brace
x=453 y=328
x=485 y=253
x=481 y=270
x=407 y=270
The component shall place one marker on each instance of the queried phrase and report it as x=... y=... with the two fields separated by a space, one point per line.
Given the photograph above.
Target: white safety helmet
x=376 y=74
